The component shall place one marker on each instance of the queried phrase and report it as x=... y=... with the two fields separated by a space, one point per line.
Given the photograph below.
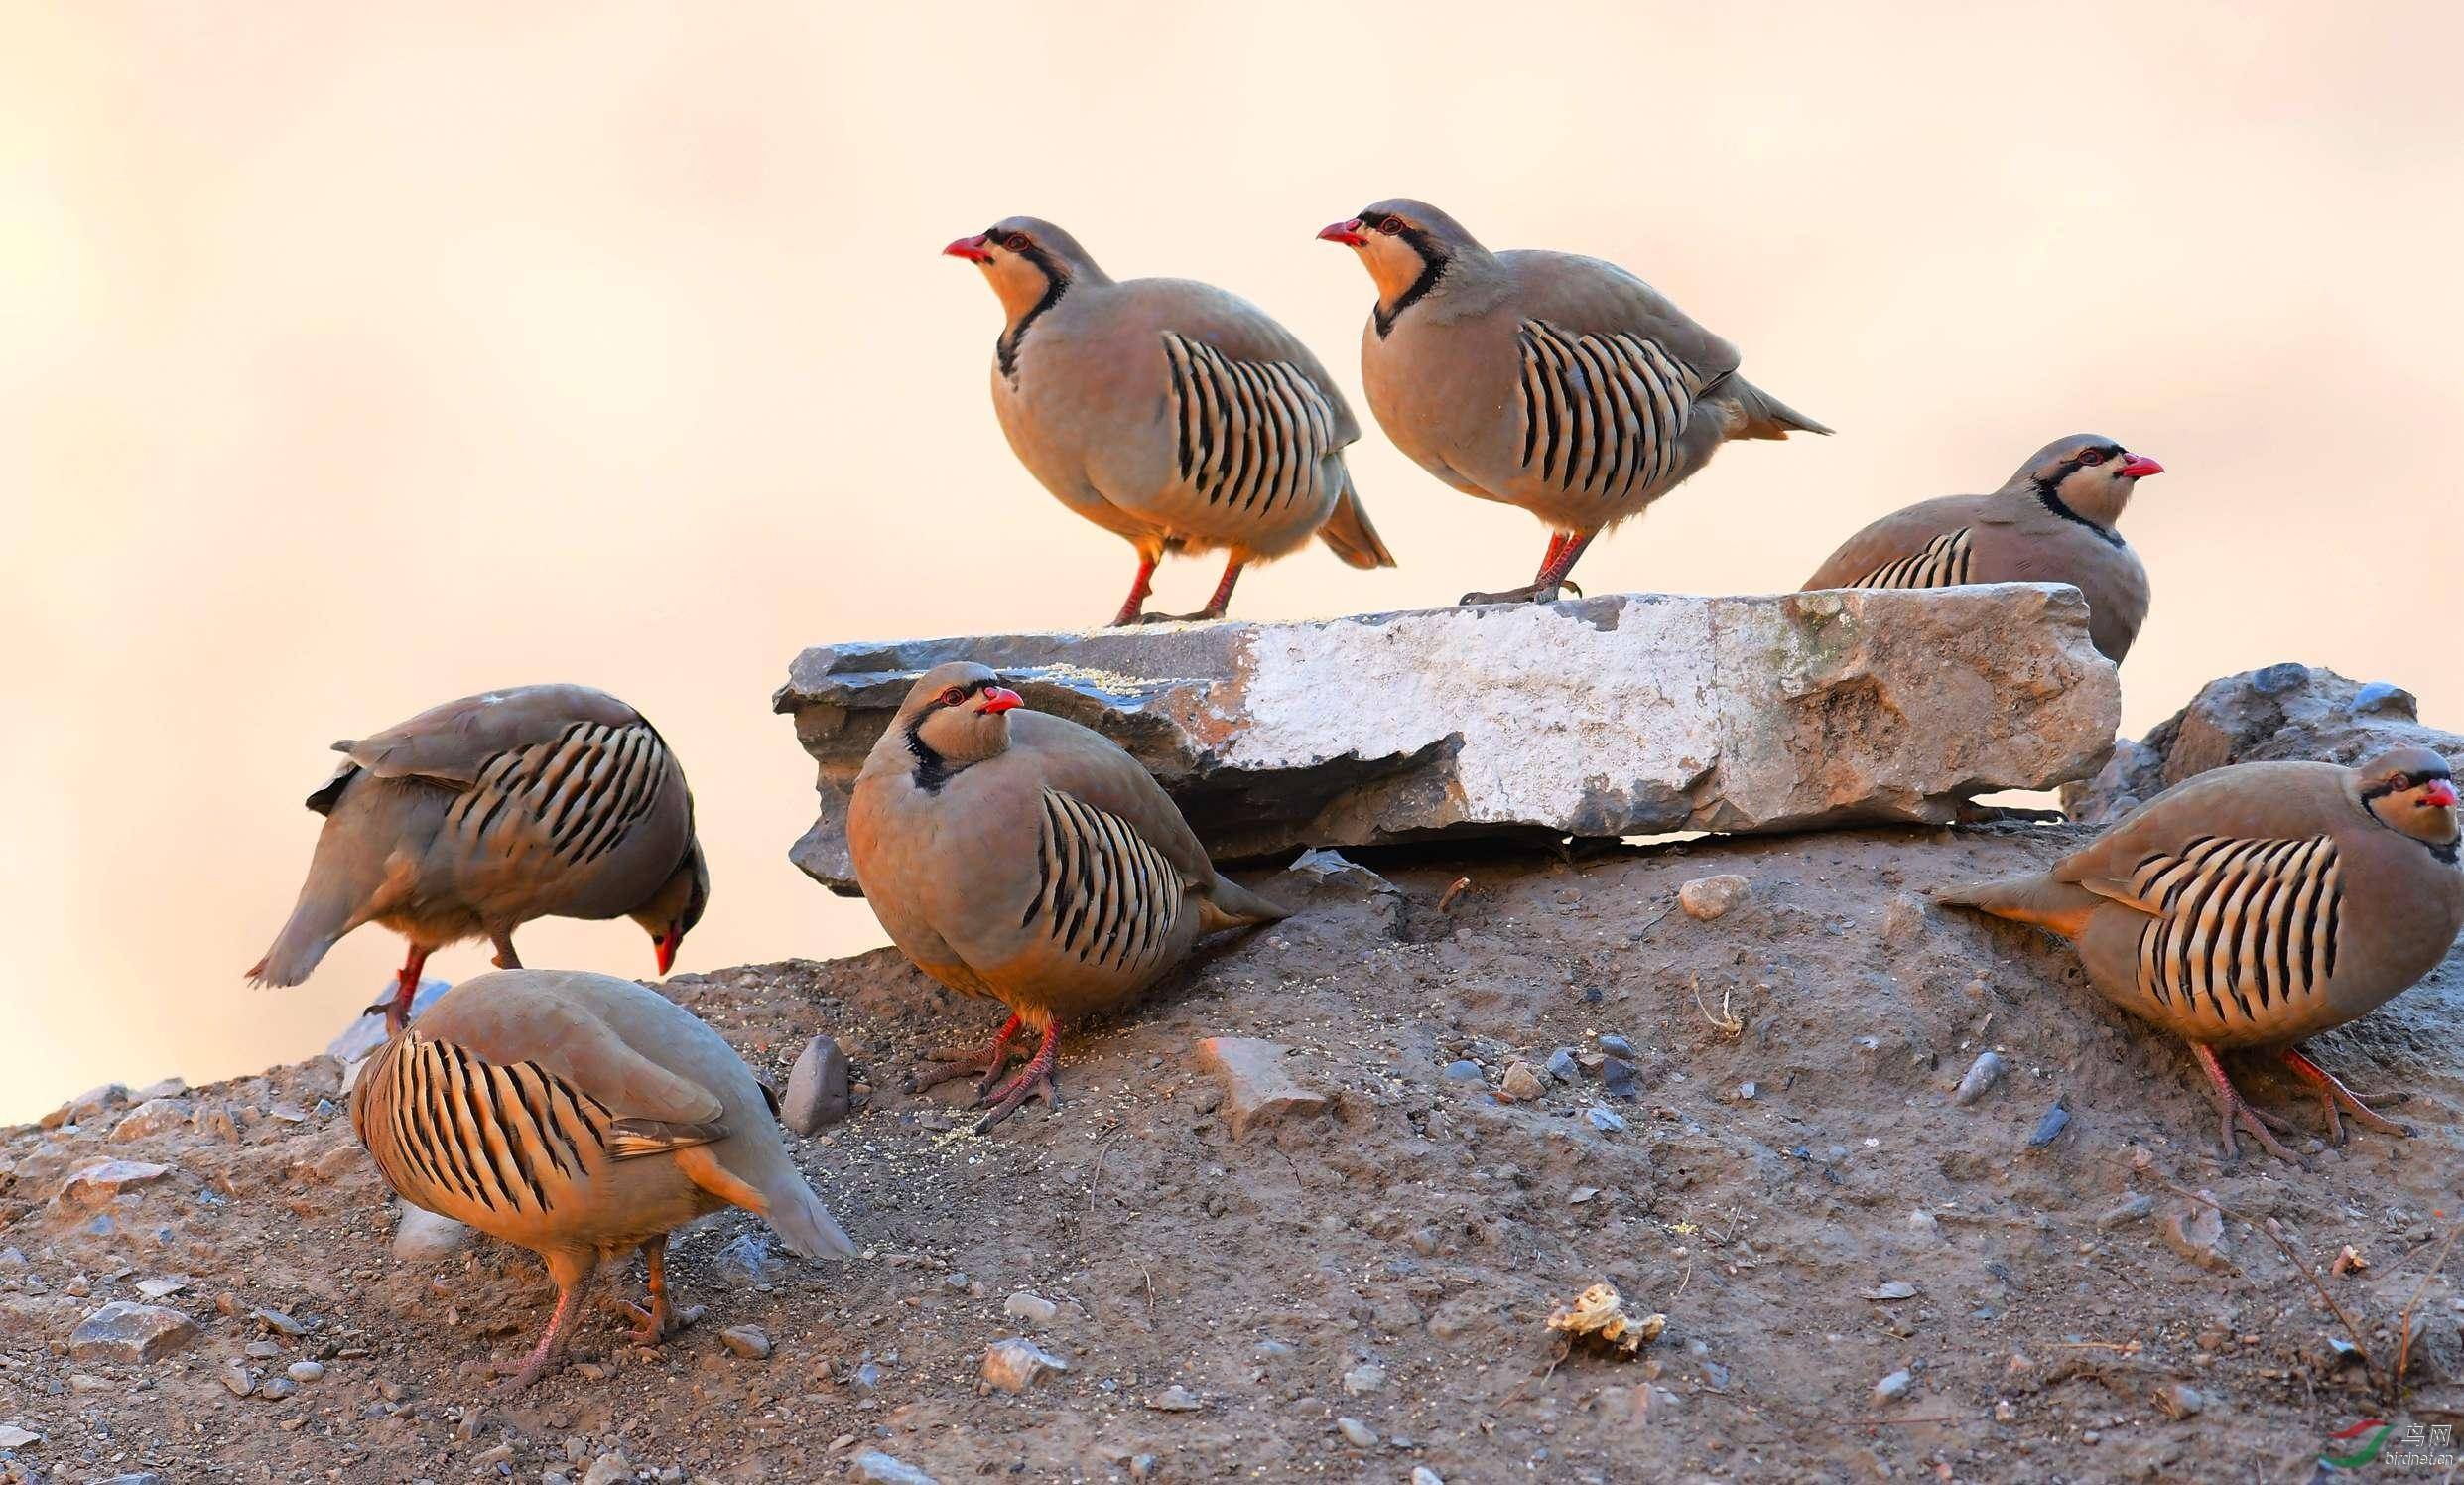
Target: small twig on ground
x=2369 y=1364
x=2403 y=1326
x=1097 y=1178
x=1446 y=900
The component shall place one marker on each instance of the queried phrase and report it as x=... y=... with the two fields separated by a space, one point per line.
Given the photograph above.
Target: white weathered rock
x=1028 y=1306
x=1259 y=1088
x=156 y=1116
x=876 y=1468
x=748 y=1341
x=1013 y=1364
x=367 y=1032
x=122 y=1331
x=96 y=1184
x=1620 y=715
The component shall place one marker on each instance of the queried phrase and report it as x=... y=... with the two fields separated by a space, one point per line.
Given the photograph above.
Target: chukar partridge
x=1558 y=383
x=1170 y=413
x=2052 y=521
x=475 y=817
x=582 y=1117
x=1020 y=857
x=2257 y=904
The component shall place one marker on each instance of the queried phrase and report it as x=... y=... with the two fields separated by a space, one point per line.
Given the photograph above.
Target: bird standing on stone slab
x=475 y=817
x=2052 y=521
x=582 y=1117
x=1020 y=857
x=2257 y=904
x=1169 y=413
x=1559 y=383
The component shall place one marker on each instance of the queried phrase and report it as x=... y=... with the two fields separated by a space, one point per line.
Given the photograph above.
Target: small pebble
x=1521 y=1083
x=1175 y=1399
x=1893 y=1387
x=1359 y=1434
x=1368 y=1377
x=306 y=1371
x=1708 y=897
x=1561 y=1064
x=746 y=1341
x=2055 y=1121
x=1605 y=1119
x=1617 y=1046
x=1980 y=1079
x=1464 y=1070
x=1028 y=1306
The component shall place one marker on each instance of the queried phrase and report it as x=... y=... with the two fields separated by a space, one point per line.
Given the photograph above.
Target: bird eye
x=1016 y=242
x=2092 y=456
x=953 y=696
x=1391 y=225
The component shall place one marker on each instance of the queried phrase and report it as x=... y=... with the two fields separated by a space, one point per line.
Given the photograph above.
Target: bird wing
x=1928 y=545
x=518 y=1024
x=1590 y=298
x=1092 y=769
x=451 y=744
x=1243 y=335
x=2234 y=919
x=577 y=794
x=1105 y=896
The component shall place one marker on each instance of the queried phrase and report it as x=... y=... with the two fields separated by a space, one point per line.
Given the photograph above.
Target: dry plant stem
x=1724 y=1023
x=2403 y=1326
x=1446 y=901
x=2369 y=1364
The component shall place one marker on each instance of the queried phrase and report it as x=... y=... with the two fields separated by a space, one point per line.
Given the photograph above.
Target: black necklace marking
x=1056 y=284
x=932 y=770
x=1434 y=261
x=2449 y=851
x=2045 y=487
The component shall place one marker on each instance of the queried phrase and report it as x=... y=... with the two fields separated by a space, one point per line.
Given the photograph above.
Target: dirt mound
x=1860 y=1277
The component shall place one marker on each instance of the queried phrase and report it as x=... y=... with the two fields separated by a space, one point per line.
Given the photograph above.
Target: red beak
x=2438 y=794
x=2140 y=466
x=1346 y=232
x=999 y=699
x=666 y=944
x=970 y=248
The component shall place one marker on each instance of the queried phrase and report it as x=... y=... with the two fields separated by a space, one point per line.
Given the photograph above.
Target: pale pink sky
x=356 y=356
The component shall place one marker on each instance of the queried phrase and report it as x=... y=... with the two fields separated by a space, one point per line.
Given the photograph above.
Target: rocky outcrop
x=1627 y=714
x=2284 y=710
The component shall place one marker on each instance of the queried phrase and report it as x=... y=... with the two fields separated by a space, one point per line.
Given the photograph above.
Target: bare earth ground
x=1423 y=1225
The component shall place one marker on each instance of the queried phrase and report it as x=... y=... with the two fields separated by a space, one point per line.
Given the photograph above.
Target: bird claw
x=985 y=1067
x=1531 y=592
x=655 y=1323
x=1018 y=1090
x=1203 y=616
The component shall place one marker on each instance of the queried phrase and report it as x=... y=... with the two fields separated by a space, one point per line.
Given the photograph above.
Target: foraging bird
x=582 y=1117
x=475 y=817
x=2257 y=904
x=1558 y=383
x=2052 y=521
x=1018 y=856
x=1168 y=412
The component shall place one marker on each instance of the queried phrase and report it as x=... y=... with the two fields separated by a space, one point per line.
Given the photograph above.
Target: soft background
x=353 y=358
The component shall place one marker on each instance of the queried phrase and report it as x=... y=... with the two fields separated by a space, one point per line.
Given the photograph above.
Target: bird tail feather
x=1350 y=536
x=1229 y=904
x=806 y=1226
x=326 y=911
x=2062 y=906
x=1766 y=417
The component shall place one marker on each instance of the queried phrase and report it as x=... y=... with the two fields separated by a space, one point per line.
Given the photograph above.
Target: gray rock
x=1013 y=1364
x=1258 y=1084
x=1894 y=1386
x=1562 y=1066
x=1616 y=1078
x=2196 y=1230
x=274 y=1389
x=1464 y=1070
x=817 y=1087
x=123 y=1331
x=1368 y=1377
x=2283 y=710
x=747 y=1262
x=236 y=1378
x=2056 y=1119
x=278 y=1322
x=876 y=1468
x=423 y=1237
x=2180 y=1400
x=1423 y=1475
x=96 y=1184
x=1176 y=1399
x=1616 y=1045
x=306 y=1371
x=1708 y=897
x=748 y=1341
x=15 y=1438
x=610 y=1468
x=2134 y=1207
x=1624 y=714
x=1031 y=1307
x=1606 y=1120
x=367 y=1034
x=1979 y=1078
x=1356 y=1433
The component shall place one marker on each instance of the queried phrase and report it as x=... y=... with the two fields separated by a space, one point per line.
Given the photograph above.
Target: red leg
x=1562 y=558
x=1033 y=1080
x=660 y=1320
x=989 y=1064
x=551 y=1346
x=1224 y=589
x=2231 y=1107
x=1135 y=606
x=2332 y=1095
x=396 y=1007
x=1556 y=544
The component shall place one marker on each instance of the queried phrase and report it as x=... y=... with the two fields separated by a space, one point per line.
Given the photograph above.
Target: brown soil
x=1423 y=1225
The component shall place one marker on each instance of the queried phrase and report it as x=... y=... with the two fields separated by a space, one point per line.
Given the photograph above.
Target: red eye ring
x=1016 y=242
x=1391 y=225
x=954 y=695
x=2092 y=456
